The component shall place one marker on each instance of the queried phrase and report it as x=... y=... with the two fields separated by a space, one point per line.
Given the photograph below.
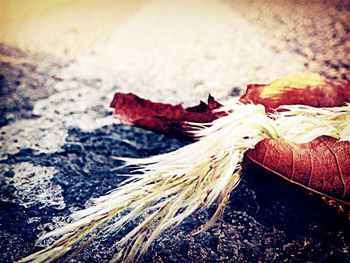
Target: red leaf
x=300 y=88
x=324 y=94
x=160 y=117
x=321 y=166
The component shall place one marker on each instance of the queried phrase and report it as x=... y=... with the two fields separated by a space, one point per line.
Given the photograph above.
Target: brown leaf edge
x=299 y=164
x=169 y=119
x=162 y=117
x=331 y=94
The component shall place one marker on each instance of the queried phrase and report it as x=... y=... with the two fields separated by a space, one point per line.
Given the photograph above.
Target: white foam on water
x=33 y=186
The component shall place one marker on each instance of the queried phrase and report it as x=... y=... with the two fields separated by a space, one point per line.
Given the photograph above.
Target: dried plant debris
x=166 y=189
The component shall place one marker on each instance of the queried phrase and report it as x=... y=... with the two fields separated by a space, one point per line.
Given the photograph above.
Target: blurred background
x=61 y=62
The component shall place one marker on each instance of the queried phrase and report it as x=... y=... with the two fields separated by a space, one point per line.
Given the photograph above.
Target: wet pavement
x=58 y=137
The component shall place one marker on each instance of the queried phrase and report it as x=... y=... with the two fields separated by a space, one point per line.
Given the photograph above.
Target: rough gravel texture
x=58 y=136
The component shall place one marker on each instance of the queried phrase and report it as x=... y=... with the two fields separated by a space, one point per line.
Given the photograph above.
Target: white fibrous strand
x=168 y=188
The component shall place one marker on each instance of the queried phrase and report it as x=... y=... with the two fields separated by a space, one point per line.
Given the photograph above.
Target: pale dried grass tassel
x=174 y=185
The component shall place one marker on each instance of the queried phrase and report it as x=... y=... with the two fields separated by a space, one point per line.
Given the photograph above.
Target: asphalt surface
x=58 y=137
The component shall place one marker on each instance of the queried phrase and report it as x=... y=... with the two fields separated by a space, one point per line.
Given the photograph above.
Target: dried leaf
x=300 y=88
x=321 y=166
x=161 y=117
x=174 y=185
x=310 y=89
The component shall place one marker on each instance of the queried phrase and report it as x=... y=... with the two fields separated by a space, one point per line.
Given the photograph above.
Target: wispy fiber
x=170 y=187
